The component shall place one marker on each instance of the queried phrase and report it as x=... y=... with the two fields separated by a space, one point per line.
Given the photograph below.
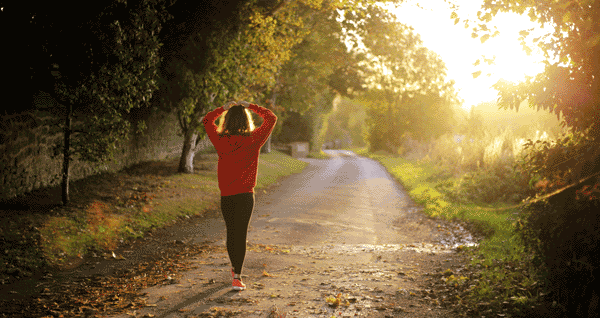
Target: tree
x=322 y=67
x=562 y=226
x=97 y=65
x=296 y=128
x=570 y=83
x=407 y=87
x=234 y=59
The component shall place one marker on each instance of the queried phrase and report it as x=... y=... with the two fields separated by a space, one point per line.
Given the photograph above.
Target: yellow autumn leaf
x=265 y=274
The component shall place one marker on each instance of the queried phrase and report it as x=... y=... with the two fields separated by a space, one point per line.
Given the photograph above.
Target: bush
x=486 y=167
x=490 y=185
x=563 y=234
x=294 y=127
x=563 y=231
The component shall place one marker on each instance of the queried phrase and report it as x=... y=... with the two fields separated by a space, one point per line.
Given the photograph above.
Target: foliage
x=103 y=76
x=570 y=83
x=501 y=278
x=347 y=123
x=562 y=233
x=95 y=80
x=491 y=185
x=569 y=87
x=407 y=89
x=489 y=159
x=317 y=65
x=320 y=69
x=488 y=168
x=557 y=163
x=294 y=127
x=561 y=230
x=235 y=58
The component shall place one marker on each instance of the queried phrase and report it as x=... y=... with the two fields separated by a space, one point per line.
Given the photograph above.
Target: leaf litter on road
x=106 y=294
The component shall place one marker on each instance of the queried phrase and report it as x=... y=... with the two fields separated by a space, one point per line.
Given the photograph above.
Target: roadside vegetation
x=480 y=176
x=110 y=209
x=501 y=276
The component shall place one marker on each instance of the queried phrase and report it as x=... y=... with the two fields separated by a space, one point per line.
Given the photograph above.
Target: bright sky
x=459 y=51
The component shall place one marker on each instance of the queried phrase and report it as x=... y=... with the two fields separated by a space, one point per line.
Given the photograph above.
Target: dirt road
x=339 y=239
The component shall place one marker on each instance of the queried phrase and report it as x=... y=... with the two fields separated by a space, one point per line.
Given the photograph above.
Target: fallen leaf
x=265 y=274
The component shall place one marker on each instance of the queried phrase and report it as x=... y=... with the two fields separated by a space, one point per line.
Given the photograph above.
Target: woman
x=238 y=145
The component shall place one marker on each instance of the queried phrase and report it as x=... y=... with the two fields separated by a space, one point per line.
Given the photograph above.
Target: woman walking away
x=238 y=145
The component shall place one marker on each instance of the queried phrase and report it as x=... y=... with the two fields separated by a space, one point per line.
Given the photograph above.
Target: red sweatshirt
x=238 y=155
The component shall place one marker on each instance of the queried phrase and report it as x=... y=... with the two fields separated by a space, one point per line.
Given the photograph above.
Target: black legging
x=237 y=210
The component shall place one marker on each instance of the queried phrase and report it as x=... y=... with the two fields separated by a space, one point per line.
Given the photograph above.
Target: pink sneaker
x=238 y=285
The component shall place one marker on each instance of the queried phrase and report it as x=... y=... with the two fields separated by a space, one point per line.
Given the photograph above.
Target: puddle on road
x=351 y=249
x=457 y=235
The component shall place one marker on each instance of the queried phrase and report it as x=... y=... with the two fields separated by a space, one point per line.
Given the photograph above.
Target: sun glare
x=460 y=51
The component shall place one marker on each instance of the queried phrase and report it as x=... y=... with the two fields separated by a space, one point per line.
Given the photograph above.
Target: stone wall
x=29 y=159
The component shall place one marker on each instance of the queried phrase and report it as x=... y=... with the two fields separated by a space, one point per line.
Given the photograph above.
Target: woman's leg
x=237 y=210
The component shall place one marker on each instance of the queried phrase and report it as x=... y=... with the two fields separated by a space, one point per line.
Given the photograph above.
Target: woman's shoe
x=238 y=285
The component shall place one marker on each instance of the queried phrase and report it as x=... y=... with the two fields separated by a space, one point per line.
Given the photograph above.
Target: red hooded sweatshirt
x=238 y=155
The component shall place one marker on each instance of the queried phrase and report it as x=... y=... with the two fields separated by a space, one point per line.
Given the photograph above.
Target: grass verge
x=108 y=209
x=502 y=280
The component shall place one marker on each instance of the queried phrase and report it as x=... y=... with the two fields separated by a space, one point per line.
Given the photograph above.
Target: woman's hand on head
x=229 y=104
x=244 y=103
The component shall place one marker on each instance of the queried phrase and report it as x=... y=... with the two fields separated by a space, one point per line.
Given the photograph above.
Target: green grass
x=504 y=272
x=274 y=165
x=422 y=181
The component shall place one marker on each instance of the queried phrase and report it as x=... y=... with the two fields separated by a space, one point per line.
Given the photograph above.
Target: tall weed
x=487 y=167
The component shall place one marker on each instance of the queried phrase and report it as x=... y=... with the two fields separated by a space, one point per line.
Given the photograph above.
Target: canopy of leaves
x=232 y=59
x=100 y=62
x=321 y=63
x=407 y=90
x=570 y=84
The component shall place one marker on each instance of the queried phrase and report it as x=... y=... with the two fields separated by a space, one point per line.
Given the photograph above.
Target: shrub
x=563 y=235
x=492 y=184
x=563 y=231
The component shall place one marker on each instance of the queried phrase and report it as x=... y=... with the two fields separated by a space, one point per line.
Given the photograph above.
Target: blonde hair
x=236 y=121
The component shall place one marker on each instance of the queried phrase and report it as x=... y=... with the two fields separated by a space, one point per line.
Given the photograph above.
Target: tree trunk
x=66 y=155
x=186 y=162
x=266 y=148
